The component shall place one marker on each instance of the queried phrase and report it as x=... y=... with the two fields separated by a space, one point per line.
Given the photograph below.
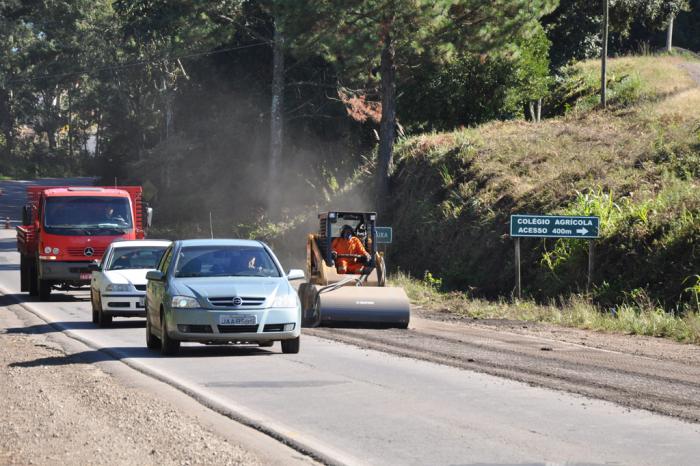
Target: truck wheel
x=44 y=289
x=33 y=279
x=168 y=346
x=291 y=346
x=152 y=342
x=23 y=274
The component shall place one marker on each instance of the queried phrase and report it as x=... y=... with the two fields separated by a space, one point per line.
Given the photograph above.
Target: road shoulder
x=66 y=403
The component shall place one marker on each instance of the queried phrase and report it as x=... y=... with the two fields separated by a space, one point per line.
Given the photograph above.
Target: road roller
x=357 y=296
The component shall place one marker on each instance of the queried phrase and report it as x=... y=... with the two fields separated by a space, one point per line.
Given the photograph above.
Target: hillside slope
x=637 y=165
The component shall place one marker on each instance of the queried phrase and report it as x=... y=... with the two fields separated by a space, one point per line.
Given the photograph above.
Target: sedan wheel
x=152 y=342
x=94 y=307
x=291 y=346
x=168 y=346
x=103 y=320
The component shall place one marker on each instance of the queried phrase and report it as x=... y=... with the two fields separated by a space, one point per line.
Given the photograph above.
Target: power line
x=88 y=71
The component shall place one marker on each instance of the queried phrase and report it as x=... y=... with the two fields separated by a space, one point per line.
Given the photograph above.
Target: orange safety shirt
x=348 y=246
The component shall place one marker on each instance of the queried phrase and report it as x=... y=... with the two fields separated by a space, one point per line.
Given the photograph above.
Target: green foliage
x=631 y=166
x=637 y=315
x=694 y=290
x=574 y=27
x=432 y=282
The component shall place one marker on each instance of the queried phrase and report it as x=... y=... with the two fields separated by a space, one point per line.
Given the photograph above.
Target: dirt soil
x=634 y=371
x=62 y=409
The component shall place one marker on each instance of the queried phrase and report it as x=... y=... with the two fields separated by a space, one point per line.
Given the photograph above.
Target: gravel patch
x=58 y=409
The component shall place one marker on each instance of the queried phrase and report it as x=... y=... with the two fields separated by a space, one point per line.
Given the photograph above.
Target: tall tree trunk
x=531 y=106
x=276 y=118
x=539 y=109
x=70 y=123
x=669 y=34
x=604 y=58
x=168 y=104
x=7 y=121
x=387 y=126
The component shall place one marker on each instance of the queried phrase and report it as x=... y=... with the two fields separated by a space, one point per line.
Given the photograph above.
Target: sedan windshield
x=225 y=261
x=87 y=215
x=135 y=258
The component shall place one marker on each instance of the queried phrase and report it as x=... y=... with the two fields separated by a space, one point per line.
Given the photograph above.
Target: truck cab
x=66 y=229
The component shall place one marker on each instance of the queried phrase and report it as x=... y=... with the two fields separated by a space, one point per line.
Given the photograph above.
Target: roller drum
x=367 y=306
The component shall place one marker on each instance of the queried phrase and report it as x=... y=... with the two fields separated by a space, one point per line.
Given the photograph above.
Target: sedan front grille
x=227 y=301
x=140 y=287
x=238 y=328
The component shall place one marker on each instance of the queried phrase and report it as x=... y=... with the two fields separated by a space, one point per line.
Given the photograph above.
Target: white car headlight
x=118 y=287
x=184 y=302
x=285 y=300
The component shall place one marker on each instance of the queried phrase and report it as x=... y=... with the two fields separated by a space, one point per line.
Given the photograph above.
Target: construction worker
x=348 y=244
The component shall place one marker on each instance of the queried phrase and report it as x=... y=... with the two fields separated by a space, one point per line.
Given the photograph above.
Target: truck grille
x=97 y=252
x=238 y=328
x=227 y=301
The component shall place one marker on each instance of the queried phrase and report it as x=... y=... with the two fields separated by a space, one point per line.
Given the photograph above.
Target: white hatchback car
x=118 y=286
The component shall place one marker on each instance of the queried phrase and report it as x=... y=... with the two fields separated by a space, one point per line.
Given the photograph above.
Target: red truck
x=66 y=229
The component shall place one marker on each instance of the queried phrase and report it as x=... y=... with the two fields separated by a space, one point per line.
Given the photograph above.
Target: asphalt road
x=358 y=406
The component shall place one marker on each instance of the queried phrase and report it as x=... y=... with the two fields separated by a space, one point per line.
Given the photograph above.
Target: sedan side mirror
x=155 y=275
x=295 y=274
x=93 y=266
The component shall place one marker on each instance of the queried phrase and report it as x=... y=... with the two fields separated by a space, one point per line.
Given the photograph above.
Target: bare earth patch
x=634 y=371
x=60 y=409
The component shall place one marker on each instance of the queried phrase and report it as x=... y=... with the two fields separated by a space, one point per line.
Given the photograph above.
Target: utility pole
x=604 y=58
x=276 y=117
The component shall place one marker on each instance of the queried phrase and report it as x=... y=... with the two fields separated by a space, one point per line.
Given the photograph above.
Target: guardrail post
x=7 y=223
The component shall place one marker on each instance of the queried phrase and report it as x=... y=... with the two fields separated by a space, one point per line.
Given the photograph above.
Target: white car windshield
x=135 y=257
x=225 y=261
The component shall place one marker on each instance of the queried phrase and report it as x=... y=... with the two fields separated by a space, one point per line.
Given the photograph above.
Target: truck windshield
x=225 y=261
x=87 y=215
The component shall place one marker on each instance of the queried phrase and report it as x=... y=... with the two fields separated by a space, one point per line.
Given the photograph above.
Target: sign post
x=553 y=226
x=518 y=286
x=384 y=236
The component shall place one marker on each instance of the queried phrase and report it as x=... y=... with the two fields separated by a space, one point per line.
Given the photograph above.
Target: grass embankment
x=637 y=317
x=636 y=165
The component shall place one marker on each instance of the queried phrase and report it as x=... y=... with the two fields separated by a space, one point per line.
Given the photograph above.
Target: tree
x=575 y=26
x=364 y=38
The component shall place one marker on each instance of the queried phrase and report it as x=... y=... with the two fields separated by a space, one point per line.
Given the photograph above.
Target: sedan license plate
x=238 y=320
x=85 y=275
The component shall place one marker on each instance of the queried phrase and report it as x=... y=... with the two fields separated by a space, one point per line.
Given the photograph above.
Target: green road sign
x=384 y=235
x=554 y=226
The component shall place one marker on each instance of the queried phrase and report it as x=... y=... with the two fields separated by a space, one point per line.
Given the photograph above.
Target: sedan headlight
x=118 y=287
x=285 y=300
x=184 y=302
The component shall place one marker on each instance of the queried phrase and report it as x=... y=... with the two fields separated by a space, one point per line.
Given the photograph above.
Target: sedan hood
x=133 y=276
x=219 y=287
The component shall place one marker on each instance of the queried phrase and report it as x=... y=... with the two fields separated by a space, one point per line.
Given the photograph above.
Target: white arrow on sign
x=582 y=231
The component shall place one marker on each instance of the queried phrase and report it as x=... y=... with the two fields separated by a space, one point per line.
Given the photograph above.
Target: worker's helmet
x=346 y=231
